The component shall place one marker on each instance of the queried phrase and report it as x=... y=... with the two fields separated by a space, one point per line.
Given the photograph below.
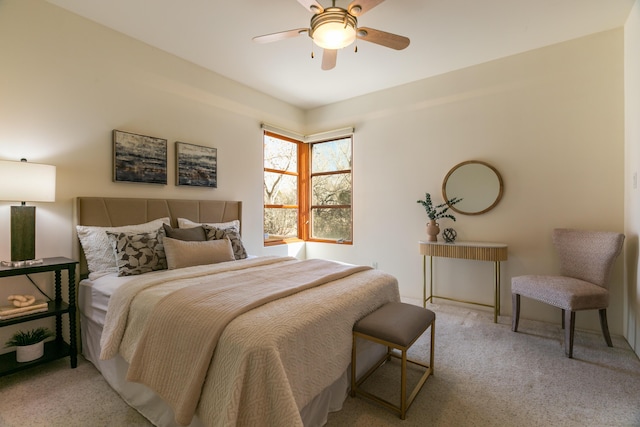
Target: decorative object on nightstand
x=435 y=213
x=29 y=344
x=21 y=306
x=21 y=182
x=449 y=235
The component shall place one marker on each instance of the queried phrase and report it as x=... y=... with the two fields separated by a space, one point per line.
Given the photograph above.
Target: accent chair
x=586 y=263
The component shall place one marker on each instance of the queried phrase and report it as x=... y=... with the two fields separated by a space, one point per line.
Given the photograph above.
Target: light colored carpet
x=485 y=375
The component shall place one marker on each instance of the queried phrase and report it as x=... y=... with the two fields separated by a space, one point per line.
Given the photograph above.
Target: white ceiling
x=445 y=35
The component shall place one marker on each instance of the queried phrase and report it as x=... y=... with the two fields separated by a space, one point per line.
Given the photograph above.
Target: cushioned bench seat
x=396 y=325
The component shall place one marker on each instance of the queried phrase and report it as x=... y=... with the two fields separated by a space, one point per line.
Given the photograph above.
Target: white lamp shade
x=27 y=182
x=334 y=35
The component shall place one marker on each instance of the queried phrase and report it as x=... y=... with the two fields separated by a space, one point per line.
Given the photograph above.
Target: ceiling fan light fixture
x=335 y=28
x=334 y=35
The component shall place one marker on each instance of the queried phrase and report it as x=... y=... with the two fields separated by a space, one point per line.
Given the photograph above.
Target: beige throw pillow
x=181 y=253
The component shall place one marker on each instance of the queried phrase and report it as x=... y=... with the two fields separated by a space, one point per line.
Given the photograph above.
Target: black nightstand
x=57 y=348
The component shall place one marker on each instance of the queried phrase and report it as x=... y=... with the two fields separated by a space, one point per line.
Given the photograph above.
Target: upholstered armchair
x=586 y=263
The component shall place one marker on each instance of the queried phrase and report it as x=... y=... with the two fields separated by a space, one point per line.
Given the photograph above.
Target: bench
x=396 y=325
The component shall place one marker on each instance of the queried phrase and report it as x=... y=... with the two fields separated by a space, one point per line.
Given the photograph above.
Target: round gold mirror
x=477 y=183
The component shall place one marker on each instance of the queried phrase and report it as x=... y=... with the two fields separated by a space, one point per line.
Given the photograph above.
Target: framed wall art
x=139 y=158
x=196 y=165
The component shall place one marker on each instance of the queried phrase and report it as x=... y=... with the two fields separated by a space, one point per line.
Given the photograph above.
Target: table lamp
x=25 y=182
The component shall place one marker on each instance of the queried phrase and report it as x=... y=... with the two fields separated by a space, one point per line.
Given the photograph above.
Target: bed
x=283 y=360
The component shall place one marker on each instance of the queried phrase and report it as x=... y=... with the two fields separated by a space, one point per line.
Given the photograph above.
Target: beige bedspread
x=270 y=361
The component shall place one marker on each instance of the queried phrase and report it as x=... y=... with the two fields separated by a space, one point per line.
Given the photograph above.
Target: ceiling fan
x=334 y=28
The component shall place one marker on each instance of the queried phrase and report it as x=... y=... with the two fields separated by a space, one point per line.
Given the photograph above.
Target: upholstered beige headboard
x=115 y=212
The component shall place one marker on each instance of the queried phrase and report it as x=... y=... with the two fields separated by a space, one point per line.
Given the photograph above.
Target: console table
x=478 y=251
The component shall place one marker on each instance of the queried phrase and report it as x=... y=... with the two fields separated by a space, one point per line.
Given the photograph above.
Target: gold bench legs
x=405 y=402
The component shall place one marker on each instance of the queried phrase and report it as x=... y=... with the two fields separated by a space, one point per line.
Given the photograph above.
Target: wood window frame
x=304 y=192
x=327 y=173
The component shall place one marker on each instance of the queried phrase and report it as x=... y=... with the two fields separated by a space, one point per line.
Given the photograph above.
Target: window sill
x=276 y=242
x=335 y=242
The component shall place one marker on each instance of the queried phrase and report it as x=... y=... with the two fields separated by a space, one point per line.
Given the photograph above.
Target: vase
x=27 y=353
x=433 y=229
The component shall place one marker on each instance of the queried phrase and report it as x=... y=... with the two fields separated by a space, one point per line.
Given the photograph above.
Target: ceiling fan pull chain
x=355 y=45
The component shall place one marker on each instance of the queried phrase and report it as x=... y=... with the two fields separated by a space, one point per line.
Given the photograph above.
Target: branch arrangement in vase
x=439 y=211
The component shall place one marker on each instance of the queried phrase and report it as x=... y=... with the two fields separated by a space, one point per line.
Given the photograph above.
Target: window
x=281 y=188
x=331 y=190
x=307 y=190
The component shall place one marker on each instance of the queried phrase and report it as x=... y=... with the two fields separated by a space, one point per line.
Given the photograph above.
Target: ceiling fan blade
x=329 y=58
x=274 y=37
x=359 y=7
x=383 y=38
x=312 y=6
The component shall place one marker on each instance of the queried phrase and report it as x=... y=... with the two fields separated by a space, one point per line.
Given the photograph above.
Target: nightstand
x=57 y=348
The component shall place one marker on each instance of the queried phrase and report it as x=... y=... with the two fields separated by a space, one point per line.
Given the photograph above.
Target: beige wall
x=632 y=168
x=66 y=83
x=550 y=120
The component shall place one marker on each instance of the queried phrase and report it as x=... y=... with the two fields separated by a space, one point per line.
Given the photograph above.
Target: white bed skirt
x=152 y=407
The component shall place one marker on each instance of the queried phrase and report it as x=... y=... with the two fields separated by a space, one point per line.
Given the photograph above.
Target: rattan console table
x=478 y=251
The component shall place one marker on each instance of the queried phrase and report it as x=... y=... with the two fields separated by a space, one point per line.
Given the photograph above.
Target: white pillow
x=185 y=223
x=183 y=253
x=100 y=256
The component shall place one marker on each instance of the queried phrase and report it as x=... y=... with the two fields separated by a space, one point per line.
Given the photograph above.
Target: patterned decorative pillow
x=138 y=253
x=214 y=233
x=98 y=249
